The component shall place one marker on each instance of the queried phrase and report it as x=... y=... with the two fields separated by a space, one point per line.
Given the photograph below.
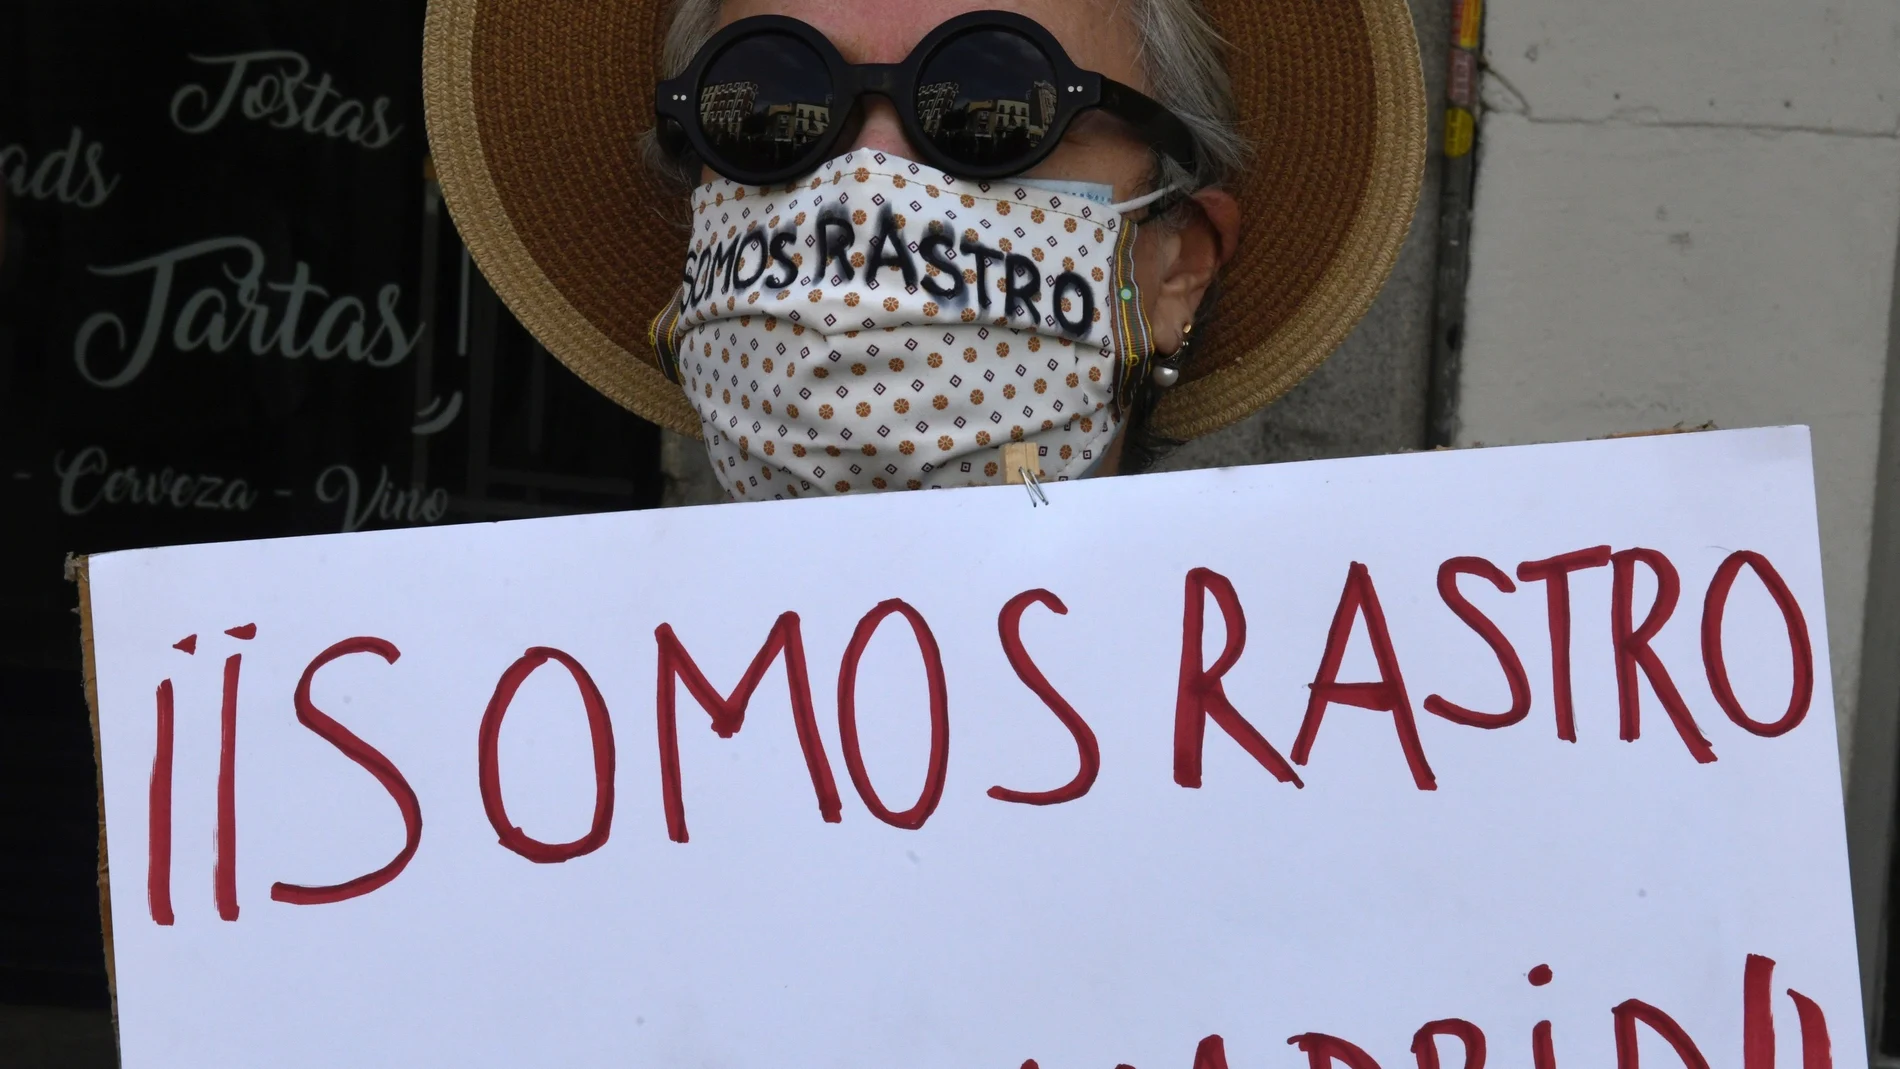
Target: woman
x=858 y=245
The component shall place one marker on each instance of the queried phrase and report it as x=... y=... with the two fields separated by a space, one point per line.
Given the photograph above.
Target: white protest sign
x=488 y=796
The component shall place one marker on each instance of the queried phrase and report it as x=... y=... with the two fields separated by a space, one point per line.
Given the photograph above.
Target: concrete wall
x=1686 y=213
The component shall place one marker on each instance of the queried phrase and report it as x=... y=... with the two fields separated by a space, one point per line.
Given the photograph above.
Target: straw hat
x=535 y=110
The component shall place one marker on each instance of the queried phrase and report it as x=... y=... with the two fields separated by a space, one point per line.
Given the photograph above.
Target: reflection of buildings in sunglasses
x=932 y=101
x=1000 y=128
x=729 y=115
x=724 y=108
x=995 y=129
x=797 y=125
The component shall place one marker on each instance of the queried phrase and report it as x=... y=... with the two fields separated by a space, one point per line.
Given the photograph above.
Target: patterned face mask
x=883 y=326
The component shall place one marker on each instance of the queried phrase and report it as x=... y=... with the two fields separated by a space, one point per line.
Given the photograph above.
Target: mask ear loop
x=1166 y=367
x=664 y=335
x=1134 y=342
x=1133 y=334
x=1141 y=202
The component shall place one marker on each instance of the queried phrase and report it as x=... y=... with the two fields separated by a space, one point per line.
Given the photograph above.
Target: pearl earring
x=1169 y=373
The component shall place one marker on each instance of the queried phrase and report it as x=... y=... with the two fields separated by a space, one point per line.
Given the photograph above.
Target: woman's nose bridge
x=882 y=129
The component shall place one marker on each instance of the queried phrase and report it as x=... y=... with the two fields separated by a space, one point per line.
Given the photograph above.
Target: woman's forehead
x=885 y=31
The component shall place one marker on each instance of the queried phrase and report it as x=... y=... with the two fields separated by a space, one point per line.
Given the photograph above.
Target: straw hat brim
x=536 y=111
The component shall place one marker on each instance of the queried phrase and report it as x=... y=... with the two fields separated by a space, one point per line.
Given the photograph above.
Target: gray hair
x=1185 y=60
x=1182 y=54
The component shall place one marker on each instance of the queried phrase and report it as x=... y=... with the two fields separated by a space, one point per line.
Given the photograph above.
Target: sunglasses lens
x=764 y=102
x=987 y=98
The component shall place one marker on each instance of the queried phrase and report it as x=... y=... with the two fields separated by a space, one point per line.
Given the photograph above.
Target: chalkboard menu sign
x=231 y=306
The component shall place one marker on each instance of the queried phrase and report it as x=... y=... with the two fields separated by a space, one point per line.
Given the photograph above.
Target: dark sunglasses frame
x=676 y=100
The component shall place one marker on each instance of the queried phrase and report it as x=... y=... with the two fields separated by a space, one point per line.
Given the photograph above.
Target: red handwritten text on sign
x=1201 y=697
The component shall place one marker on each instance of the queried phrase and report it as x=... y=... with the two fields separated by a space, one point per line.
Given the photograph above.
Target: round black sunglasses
x=986 y=95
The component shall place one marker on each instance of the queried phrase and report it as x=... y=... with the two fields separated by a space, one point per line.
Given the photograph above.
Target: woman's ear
x=1190 y=258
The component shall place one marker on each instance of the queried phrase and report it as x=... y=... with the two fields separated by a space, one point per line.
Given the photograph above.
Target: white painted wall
x=1687 y=212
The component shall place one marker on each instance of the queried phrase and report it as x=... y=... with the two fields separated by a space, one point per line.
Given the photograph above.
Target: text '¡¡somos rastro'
x=1200 y=697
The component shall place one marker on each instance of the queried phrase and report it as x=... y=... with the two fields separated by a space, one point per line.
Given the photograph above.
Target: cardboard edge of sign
x=77 y=572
